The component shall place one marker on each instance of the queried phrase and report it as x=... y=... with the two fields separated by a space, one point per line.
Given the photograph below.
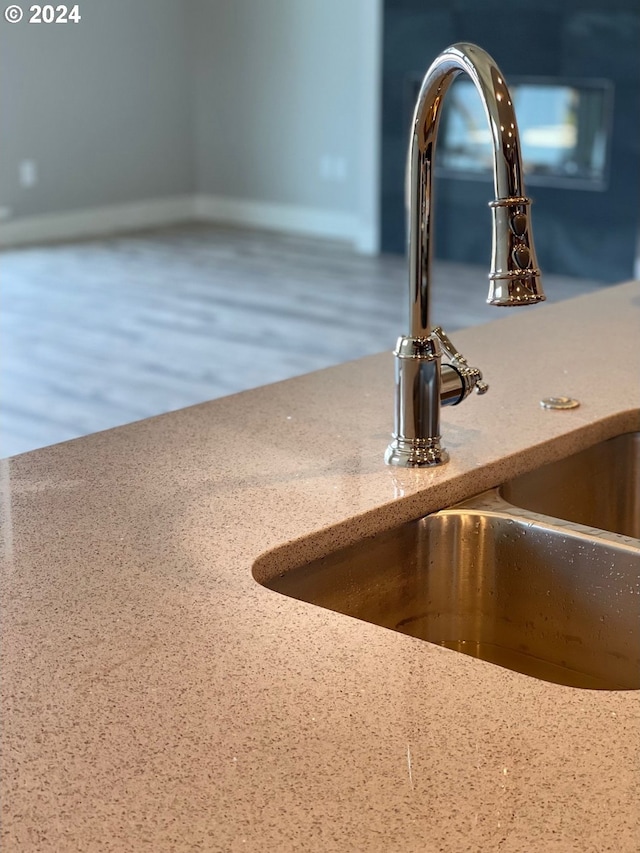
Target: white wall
x=236 y=102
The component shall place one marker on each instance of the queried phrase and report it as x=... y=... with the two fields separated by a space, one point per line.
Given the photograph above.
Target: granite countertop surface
x=156 y=697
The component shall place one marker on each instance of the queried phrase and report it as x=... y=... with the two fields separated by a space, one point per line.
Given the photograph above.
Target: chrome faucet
x=423 y=382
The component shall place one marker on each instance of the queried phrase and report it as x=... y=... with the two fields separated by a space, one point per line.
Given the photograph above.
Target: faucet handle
x=471 y=376
x=448 y=346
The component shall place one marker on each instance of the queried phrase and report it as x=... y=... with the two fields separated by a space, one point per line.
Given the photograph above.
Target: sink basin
x=598 y=487
x=535 y=597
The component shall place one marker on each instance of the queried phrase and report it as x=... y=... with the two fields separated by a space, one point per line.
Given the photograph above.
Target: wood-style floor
x=103 y=332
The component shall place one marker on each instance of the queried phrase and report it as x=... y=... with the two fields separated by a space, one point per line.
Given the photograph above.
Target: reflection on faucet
x=423 y=383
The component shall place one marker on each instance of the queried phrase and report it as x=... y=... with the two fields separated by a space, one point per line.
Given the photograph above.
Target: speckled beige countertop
x=156 y=697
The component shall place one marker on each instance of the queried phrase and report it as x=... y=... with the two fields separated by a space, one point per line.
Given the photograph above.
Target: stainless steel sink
x=599 y=487
x=509 y=584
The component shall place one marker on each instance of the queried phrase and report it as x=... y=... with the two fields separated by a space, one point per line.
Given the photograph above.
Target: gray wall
x=103 y=107
x=241 y=99
x=277 y=88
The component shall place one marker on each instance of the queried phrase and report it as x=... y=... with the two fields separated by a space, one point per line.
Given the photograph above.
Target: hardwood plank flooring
x=99 y=333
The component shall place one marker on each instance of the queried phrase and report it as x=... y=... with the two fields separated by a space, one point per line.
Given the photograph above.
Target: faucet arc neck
x=507 y=162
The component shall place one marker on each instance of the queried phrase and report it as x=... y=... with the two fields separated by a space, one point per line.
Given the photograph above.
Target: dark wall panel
x=582 y=232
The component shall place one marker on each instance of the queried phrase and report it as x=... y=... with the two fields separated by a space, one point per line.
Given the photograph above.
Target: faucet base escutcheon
x=416 y=452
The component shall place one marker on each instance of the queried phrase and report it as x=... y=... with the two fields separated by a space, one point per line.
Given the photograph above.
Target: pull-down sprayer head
x=514 y=277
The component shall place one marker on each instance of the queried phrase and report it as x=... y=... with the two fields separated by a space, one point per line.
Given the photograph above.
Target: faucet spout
x=514 y=276
x=421 y=379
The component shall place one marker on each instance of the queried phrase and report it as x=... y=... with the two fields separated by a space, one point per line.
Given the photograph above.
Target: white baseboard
x=97 y=221
x=100 y=221
x=290 y=218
